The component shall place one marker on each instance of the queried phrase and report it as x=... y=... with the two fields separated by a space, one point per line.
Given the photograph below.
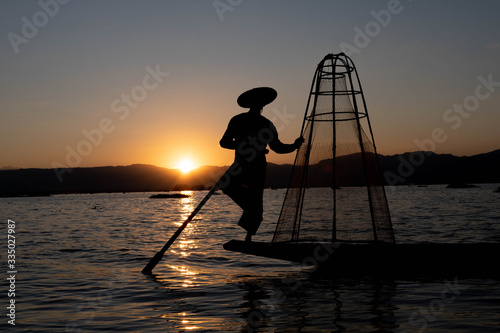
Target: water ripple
x=80 y=257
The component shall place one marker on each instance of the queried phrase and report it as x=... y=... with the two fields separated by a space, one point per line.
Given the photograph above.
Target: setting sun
x=185 y=165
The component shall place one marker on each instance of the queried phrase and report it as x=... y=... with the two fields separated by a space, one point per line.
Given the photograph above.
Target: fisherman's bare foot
x=248 y=238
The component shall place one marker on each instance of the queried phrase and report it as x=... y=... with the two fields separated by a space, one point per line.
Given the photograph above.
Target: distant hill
x=403 y=169
x=407 y=168
x=444 y=168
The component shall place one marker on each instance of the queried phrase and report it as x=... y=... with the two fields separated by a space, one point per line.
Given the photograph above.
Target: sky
x=119 y=82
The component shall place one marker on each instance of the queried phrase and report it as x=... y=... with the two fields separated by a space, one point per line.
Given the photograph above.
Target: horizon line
x=10 y=167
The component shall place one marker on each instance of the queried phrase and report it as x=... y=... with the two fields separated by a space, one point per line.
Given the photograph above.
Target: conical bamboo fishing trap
x=336 y=190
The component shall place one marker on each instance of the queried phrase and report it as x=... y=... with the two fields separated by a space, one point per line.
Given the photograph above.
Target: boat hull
x=423 y=260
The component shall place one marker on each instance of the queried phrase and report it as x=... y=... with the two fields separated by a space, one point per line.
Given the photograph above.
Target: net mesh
x=336 y=190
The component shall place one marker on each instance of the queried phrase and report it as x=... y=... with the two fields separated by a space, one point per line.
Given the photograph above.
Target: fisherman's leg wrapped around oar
x=246 y=190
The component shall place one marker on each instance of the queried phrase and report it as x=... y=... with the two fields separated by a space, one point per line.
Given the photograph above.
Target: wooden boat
x=401 y=261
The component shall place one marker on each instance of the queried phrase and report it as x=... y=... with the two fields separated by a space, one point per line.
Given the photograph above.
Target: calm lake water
x=79 y=258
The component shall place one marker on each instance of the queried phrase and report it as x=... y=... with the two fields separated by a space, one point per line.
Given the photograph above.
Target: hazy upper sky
x=118 y=82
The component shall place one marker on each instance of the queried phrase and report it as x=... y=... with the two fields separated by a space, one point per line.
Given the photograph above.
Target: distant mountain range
x=401 y=169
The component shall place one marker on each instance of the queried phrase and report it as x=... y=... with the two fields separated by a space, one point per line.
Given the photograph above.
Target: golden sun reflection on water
x=187 y=325
x=185 y=246
x=187 y=278
x=188 y=275
x=185 y=322
x=187 y=207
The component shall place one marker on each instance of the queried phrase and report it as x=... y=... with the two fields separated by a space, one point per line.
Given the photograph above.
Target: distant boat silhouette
x=170 y=196
x=460 y=185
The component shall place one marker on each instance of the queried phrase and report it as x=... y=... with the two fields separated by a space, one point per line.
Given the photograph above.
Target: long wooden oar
x=156 y=259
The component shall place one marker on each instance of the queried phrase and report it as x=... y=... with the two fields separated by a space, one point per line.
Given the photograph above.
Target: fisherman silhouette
x=249 y=134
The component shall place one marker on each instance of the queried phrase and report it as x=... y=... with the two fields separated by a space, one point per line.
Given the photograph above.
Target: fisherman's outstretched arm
x=282 y=148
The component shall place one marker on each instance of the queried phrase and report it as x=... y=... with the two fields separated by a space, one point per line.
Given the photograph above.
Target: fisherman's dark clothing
x=249 y=134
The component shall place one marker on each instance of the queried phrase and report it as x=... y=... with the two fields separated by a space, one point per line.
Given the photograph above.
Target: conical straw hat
x=257 y=97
